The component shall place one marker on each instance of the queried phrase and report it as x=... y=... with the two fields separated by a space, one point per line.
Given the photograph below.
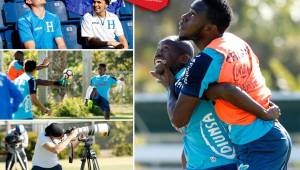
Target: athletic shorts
x=102 y=103
x=57 y=167
x=270 y=152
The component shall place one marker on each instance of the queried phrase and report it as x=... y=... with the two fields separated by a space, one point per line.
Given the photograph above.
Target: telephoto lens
x=101 y=128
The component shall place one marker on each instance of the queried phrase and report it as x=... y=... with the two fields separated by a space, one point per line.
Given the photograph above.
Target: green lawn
x=112 y=163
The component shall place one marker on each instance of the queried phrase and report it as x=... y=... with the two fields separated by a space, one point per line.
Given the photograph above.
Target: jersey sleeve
x=203 y=70
x=119 y=29
x=32 y=86
x=86 y=27
x=113 y=80
x=24 y=30
x=92 y=82
x=57 y=30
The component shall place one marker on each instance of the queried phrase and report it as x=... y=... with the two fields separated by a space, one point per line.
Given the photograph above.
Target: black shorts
x=57 y=167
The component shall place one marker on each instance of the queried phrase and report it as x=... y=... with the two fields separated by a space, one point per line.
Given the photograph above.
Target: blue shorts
x=102 y=103
x=225 y=167
x=272 y=151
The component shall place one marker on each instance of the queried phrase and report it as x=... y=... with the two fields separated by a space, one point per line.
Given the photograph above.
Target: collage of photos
x=66 y=85
x=149 y=84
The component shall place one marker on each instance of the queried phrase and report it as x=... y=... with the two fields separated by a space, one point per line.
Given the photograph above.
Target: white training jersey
x=104 y=28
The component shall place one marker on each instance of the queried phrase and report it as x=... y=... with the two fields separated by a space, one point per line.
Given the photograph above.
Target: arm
x=29 y=45
x=26 y=36
x=34 y=100
x=38 y=104
x=45 y=64
x=62 y=145
x=59 y=40
x=25 y=141
x=239 y=98
x=60 y=43
x=41 y=82
x=123 y=41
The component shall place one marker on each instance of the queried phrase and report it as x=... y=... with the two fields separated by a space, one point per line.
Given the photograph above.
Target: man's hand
x=163 y=74
x=47 y=111
x=274 y=112
x=74 y=134
x=45 y=63
x=115 y=44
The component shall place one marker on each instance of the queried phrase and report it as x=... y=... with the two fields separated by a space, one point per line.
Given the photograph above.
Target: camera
x=13 y=139
x=101 y=128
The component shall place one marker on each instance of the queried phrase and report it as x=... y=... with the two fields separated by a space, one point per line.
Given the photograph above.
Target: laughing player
x=207 y=147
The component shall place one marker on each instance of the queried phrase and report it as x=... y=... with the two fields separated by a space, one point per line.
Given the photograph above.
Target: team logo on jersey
x=27 y=104
x=50 y=26
x=111 y=24
x=243 y=167
x=214 y=137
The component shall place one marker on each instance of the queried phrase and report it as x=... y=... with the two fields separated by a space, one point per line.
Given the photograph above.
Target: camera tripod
x=89 y=156
x=14 y=159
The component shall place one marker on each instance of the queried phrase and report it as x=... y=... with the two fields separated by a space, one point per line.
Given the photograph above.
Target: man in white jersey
x=101 y=28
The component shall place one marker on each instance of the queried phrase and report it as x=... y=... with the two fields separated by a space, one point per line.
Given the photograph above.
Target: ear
x=28 y=2
x=211 y=28
x=183 y=59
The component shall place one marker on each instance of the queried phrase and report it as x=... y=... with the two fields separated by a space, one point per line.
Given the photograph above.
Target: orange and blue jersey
x=229 y=59
x=206 y=144
x=15 y=69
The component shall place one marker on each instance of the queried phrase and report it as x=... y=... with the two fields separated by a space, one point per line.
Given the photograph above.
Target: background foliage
x=271 y=27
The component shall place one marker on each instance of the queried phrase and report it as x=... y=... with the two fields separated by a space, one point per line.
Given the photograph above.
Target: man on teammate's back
x=225 y=58
x=40 y=29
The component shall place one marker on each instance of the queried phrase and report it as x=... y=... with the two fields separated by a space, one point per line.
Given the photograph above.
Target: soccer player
x=225 y=58
x=206 y=142
x=28 y=87
x=103 y=83
x=39 y=28
x=10 y=97
x=15 y=68
x=102 y=27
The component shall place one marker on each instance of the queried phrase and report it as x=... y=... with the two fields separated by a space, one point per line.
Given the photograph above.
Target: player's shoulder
x=28 y=16
x=87 y=16
x=51 y=15
x=112 y=15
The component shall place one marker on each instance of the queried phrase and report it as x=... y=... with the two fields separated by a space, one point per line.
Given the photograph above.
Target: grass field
x=112 y=163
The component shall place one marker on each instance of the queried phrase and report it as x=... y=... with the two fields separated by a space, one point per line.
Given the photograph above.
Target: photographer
x=16 y=141
x=49 y=144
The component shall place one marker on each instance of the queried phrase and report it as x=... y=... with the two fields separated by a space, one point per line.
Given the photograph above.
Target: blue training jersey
x=42 y=31
x=206 y=142
x=103 y=84
x=204 y=70
x=10 y=97
x=27 y=86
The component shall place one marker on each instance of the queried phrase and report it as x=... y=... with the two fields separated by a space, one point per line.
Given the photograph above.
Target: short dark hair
x=106 y=1
x=184 y=47
x=54 y=130
x=102 y=65
x=29 y=65
x=18 y=53
x=219 y=13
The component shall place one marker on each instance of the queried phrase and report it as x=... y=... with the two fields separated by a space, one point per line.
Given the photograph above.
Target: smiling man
x=39 y=28
x=101 y=28
x=225 y=58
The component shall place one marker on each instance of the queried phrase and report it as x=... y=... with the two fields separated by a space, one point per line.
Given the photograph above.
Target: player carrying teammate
x=225 y=58
x=206 y=142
